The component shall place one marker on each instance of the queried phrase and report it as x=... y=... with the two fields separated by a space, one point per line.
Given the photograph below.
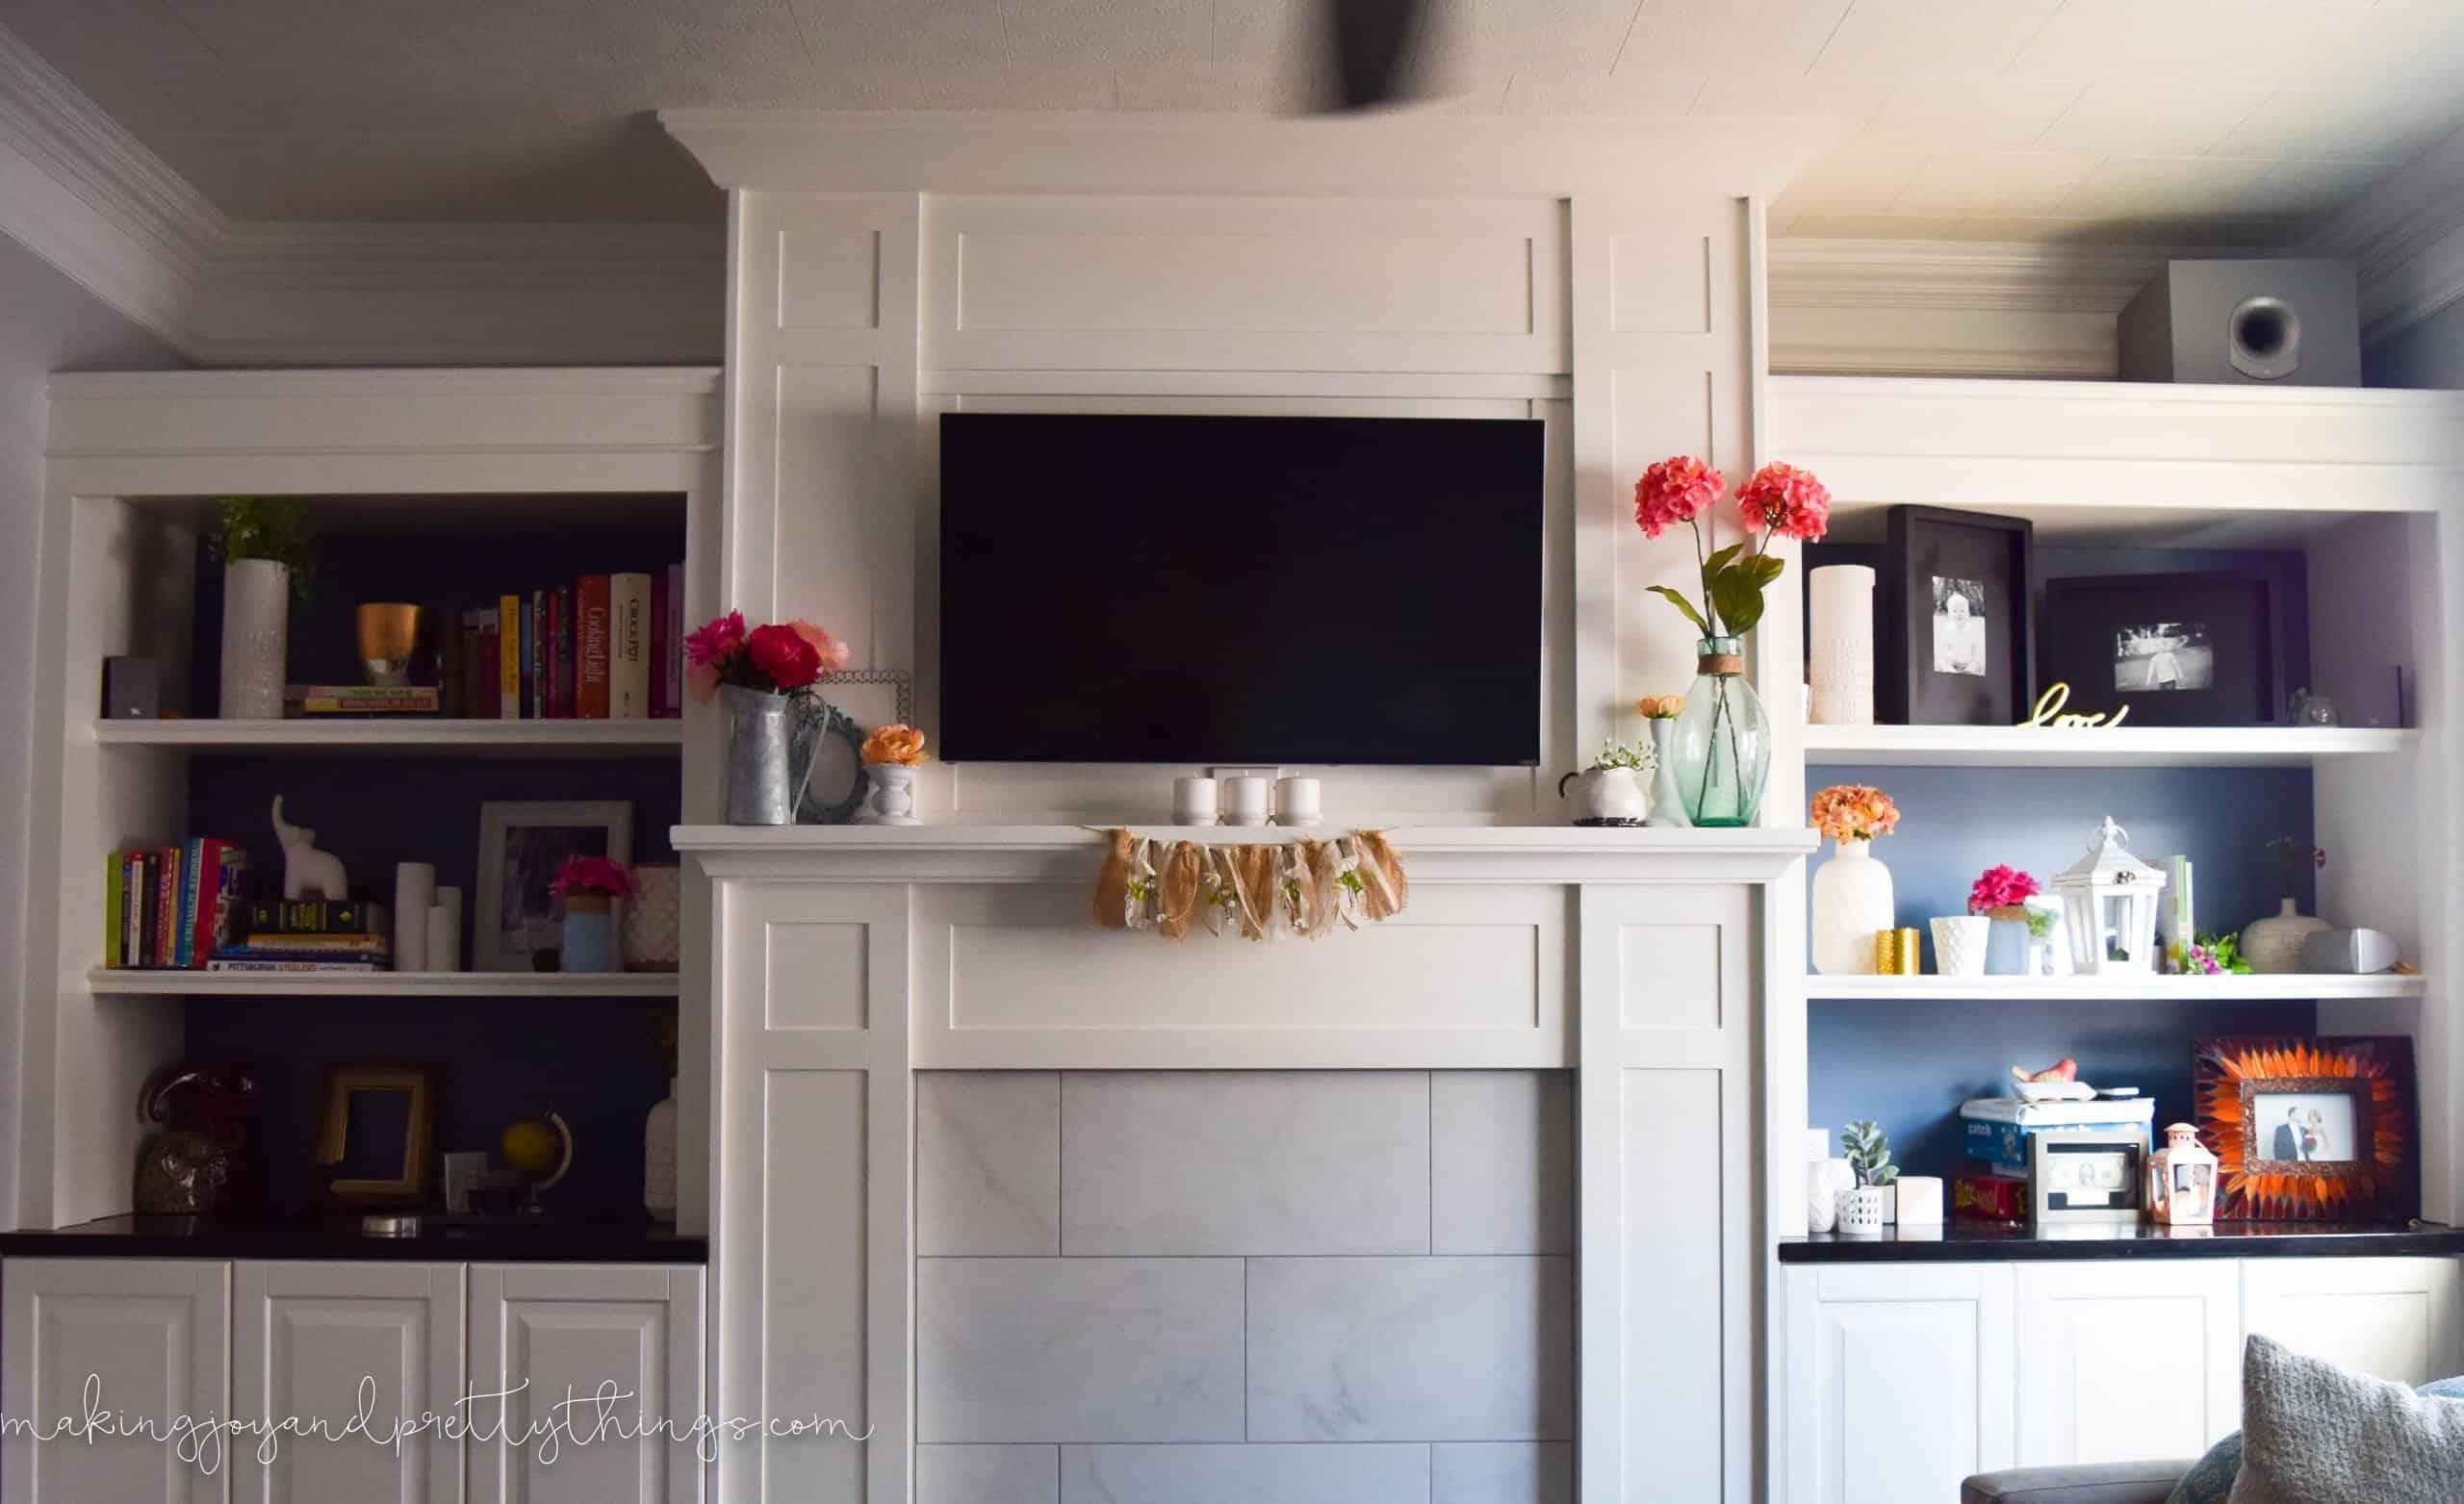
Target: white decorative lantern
x=2109 y=907
x=2181 y=1180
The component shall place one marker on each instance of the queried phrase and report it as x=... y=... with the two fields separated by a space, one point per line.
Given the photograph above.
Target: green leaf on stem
x=1737 y=597
x=1683 y=604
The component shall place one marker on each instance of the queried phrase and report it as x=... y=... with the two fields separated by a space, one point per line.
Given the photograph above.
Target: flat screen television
x=1206 y=590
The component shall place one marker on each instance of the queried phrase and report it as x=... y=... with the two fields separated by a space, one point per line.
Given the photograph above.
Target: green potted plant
x=1865 y=1207
x=263 y=544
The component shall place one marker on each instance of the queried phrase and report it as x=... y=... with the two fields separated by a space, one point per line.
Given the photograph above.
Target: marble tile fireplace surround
x=1354 y=1287
x=1461 y=1209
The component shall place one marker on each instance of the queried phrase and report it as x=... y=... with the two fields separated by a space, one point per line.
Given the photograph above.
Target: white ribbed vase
x=256 y=630
x=1958 y=944
x=1852 y=900
x=1840 y=637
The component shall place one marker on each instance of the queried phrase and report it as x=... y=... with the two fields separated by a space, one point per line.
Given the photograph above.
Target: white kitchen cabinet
x=555 y=1331
x=1899 y=1380
x=152 y=1336
x=2397 y=1318
x=2124 y=1360
x=323 y=1342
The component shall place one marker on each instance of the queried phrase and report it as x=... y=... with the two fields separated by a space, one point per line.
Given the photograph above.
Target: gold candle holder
x=388 y=635
x=1897 y=952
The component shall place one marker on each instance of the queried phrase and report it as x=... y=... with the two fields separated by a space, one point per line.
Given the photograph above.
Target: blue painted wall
x=1909 y=1065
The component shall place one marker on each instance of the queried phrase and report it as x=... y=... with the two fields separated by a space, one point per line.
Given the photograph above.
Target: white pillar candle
x=443 y=939
x=1920 y=1201
x=1244 y=799
x=1297 y=802
x=1839 y=638
x=414 y=891
x=1193 y=801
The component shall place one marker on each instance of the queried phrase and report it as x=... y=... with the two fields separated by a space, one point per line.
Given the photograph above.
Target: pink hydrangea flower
x=1787 y=500
x=716 y=641
x=1677 y=489
x=2001 y=887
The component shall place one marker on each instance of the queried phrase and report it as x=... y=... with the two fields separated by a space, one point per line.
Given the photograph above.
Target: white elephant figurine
x=307 y=871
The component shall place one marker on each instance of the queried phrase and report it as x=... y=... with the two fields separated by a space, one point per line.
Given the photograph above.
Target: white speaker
x=2291 y=323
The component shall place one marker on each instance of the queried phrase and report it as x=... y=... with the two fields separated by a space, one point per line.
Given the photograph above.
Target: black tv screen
x=1239 y=590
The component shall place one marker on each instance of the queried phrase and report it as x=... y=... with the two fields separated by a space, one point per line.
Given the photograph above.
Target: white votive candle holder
x=1244 y=799
x=1297 y=802
x=1193 y=801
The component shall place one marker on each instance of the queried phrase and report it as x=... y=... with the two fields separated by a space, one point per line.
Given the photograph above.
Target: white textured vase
x=1958 y=944
x=1852 y=902
x=1863 y=1210
x=1825 y=1180
x=1839 y=636
x=2272 y=946
x=653 y=929
x=256 y=629
x=892 y=801
x=659 y=1158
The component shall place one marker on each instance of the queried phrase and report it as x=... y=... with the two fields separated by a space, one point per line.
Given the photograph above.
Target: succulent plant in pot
x=1866 y=1207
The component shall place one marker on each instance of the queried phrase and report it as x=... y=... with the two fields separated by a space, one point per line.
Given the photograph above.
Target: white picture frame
x=505 y=939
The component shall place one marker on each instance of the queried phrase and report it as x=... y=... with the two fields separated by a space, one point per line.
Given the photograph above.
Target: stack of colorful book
x=173 y=906
x=310 y=936
x=603 y=648
x=361 y=699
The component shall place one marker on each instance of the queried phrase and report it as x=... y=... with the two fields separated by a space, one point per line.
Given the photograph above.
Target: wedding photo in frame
x=2311 y=1130
x=1959 y=635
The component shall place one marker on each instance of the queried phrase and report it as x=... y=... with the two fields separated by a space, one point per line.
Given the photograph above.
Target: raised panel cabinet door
x=622 y=1343
x=2394 y=1318
x=329 y=1343
x=1898 y=1380
x=2127 y=1359
x=151 y=1336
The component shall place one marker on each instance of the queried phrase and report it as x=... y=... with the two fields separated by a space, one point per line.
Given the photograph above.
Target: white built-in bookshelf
x=403 y=737
x=2102 y=747
x=126 y=981
x=2002 y=991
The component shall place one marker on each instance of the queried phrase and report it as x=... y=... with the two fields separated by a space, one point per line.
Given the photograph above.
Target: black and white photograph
x=521 y=847
x=2305 y=1126
x=2163 y=657
x=1958 y=627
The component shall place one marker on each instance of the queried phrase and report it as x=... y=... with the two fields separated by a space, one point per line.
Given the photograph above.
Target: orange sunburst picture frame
x=2344 y=1107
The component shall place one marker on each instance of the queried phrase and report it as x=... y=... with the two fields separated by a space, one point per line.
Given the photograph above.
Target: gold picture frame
x=362 y=1124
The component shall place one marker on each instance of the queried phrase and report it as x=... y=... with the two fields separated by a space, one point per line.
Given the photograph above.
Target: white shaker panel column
x=1669 y=1252
x=811 y=1250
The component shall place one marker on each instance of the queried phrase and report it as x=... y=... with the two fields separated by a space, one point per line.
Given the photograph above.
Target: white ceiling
x=2184 y=121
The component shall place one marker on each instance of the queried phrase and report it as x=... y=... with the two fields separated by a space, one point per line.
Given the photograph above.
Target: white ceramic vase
x=892 y=801
x=1606 y=796
x=1863 y=1210
x=1839 y=635
x=2272 y=946
x=1825 y=1182
x=256 y=629
x=1852 y=902
x=654 y=927
x=659 y=1158
x=1958 y=944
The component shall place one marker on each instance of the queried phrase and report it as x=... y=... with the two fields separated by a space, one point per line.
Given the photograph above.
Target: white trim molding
x=2408 y=236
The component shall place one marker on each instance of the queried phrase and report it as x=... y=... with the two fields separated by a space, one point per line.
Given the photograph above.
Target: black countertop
x=499 y=1240
x=1975 y=1242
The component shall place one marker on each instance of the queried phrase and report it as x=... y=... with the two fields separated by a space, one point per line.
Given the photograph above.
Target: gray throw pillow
x=2313 y=1434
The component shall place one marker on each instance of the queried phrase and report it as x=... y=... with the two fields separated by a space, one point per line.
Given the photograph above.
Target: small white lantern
x=2109 y=907
x=2181 y=1180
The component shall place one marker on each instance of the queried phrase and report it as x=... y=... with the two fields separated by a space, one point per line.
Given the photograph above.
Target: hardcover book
x=509 y=657
x=590 y=668
x=628 y=648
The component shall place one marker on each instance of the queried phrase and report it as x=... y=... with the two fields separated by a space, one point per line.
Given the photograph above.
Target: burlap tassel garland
x=1112 y=885
x=1177 y=889
x=1313 y=886
x=1388 y=890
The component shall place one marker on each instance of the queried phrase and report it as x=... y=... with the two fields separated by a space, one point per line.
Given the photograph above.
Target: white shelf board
x=2299 y=987
x=152 y=983
x=405 y=736
x=2101 y=747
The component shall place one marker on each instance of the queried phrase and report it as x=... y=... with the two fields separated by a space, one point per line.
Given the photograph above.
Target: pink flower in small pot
x=1677 y=489
x=2001 y=887
x=591 y=875
x=1787 y=500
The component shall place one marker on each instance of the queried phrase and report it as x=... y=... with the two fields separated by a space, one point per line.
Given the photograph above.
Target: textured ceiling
x=2190 y=121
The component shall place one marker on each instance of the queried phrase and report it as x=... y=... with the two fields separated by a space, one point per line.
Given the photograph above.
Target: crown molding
x=1993 y=276
x=2407 y=237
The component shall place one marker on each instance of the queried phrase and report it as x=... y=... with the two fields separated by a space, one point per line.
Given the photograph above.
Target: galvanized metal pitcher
x=761 y=728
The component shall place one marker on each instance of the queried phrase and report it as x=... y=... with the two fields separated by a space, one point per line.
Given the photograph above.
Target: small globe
x=534 y=1148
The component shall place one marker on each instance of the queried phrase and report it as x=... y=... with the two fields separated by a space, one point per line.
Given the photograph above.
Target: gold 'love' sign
x=2049 y=712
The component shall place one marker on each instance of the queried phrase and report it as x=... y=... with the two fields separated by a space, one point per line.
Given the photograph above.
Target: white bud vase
x=1852 y=902
x=2272 y=946
x=256 y=631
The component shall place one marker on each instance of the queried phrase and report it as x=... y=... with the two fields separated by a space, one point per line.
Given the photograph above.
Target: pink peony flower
x=831 y=653
x=1677 y=489
x=783 y=657
x=591 y=875
x=1786 y=499
x=715 y=642
x=2001 y=887
x=701 y=681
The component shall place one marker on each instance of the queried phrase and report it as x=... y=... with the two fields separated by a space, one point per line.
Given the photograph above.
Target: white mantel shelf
x=1047 y=852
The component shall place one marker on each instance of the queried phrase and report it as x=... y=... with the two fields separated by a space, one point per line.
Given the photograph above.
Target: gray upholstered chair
x=2104 y=1482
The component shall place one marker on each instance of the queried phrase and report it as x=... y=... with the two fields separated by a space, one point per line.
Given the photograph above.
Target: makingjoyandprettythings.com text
x=600 y=1418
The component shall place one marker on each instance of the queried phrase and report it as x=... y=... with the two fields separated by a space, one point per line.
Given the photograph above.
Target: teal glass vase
x=1723 y=739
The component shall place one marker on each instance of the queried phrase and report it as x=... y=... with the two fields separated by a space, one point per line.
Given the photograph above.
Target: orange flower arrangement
x=1854 y=812
x=2236 y=1076
x=1660 y=707
x=900 y=744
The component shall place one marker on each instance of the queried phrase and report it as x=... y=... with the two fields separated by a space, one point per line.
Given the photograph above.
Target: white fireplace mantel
x=849 y=958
